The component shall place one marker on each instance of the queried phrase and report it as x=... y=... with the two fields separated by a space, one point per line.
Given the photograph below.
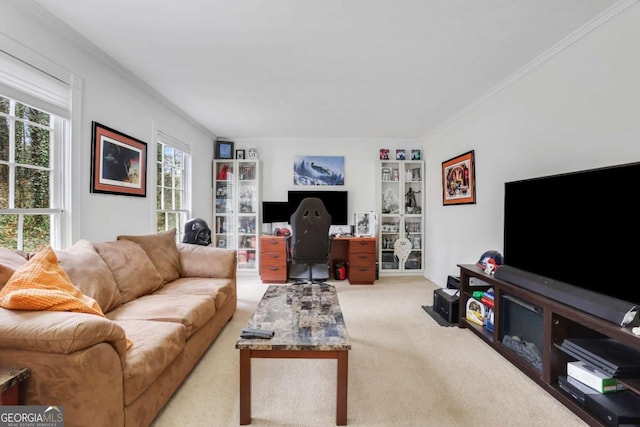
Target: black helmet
x=197 y=232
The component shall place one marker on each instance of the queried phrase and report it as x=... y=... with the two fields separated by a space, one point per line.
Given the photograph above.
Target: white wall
x=109 y=96
x=360 y=162
x=577 y=110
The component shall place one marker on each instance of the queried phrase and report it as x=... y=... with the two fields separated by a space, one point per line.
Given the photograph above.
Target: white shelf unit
x=236 y=210
x=400 y=214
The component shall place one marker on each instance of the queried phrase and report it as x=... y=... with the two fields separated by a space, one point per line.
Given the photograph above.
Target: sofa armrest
x=58 y=331
x=207 y=261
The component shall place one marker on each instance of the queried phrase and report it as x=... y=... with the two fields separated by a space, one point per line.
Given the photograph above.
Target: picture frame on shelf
x=118 y=162
x=240 y=154
x=224 y=149
x=401 y=154
x=415 y=154
x=384 y=154
x=458 y=180
x=365 y=224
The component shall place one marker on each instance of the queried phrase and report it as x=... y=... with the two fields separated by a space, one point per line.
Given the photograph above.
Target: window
x=31 y=149
x=173 y=196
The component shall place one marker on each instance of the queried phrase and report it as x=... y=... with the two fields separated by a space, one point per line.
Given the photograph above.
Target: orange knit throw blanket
x=42 y=285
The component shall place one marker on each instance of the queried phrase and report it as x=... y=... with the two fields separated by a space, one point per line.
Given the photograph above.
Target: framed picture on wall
x=118 y=162
x=318 y=170
x=458 y=180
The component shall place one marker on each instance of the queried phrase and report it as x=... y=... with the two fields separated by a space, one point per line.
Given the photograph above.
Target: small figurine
x=411 y=205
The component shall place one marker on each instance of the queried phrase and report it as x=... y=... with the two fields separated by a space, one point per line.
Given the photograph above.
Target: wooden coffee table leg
x=245 y=387
x=343 y=380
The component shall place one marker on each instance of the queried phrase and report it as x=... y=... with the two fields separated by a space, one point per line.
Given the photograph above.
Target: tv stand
x=556 y=322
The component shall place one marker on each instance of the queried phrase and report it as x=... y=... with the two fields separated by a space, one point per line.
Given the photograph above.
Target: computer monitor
x=334 y=201
x=275 y=212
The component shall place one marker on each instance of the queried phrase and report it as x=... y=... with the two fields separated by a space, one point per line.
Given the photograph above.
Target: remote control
x=256 y=333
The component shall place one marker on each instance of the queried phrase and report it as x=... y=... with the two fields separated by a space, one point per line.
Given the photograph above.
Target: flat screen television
x=580 y=228
x=334 y=201
x=275 y=212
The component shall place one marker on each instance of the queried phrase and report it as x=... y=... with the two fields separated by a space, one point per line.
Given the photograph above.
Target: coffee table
x=308 y=324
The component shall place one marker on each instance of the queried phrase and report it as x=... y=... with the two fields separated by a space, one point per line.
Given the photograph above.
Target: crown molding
x=35 y=10
x=613 y=11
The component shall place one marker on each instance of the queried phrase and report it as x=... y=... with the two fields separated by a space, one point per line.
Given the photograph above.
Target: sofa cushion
x=9 y=262
x=134 y=272
x=207 y=261
x=161 y=249
x=192 y=311
x=58 y=331
x=89 y=273
x=157 y=345
x=221 y=289
x=41 y=284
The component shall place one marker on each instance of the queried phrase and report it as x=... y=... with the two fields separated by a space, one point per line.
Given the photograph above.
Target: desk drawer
x=273 y=267
x=273 y=274
x=362 y=259
x=359 y=246
x=275 y=244
x=273 y=258
x=363 y=275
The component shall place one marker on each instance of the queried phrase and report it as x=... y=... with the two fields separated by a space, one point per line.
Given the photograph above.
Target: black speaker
x=620 y=312
x=453 y=282
x=446 y=305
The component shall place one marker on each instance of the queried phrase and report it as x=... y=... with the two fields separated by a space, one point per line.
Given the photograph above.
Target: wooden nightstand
x=10 y=379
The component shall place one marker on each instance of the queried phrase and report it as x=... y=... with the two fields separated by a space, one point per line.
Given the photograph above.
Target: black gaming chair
x=310 y=239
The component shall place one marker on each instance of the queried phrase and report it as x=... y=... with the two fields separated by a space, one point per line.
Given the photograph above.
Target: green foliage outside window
x=25 y=171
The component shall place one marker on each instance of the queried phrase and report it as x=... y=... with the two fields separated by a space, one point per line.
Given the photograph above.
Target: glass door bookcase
x=237 y=209
x=401 y=218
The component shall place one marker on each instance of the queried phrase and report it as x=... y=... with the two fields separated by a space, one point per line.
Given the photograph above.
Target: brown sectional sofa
x=170 y=300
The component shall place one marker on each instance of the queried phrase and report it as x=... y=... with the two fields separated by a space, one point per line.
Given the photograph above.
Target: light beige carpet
x=404 y=370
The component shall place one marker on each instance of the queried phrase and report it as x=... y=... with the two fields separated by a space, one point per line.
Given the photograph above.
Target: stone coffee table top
x=303 y=317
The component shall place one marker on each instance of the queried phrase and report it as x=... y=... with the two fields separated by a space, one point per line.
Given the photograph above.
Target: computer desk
x=359 y=253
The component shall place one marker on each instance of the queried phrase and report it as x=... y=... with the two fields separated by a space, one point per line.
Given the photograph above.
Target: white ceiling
x=324 y=68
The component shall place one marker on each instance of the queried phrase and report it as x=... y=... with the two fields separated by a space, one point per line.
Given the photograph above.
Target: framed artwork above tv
x=318 y=170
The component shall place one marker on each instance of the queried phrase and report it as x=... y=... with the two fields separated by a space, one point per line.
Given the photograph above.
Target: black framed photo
x=224 y=149
x=240 y=154
x=118 y=163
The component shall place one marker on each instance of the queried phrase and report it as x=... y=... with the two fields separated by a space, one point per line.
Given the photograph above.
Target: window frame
x=183 y=214
x=58 y=149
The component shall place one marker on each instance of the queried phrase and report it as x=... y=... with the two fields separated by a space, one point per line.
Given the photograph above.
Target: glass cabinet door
x=390 y=214
x=237 y=209
x=400 y=213
x=413 y=217
x=224 y=200
x=247 y=214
